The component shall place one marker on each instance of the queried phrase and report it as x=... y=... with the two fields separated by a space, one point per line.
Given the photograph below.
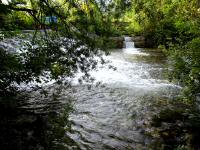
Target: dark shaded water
x=111 y=114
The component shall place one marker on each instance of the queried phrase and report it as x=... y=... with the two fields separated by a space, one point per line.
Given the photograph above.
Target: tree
x=81 y=33
x=174 y=25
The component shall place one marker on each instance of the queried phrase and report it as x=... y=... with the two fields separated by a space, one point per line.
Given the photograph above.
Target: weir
x=129 y=43
x=130 y=47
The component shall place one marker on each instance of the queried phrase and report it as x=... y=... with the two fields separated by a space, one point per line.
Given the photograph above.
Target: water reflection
x=35 y=122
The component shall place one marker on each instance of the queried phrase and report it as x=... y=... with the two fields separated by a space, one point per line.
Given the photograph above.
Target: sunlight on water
x=129 y=74
x=112 y=113
x=111 y=116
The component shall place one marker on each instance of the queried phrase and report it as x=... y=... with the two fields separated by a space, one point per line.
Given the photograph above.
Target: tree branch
x=21 y=9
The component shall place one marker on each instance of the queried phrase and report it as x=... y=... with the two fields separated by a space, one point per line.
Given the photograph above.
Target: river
x=113 y=113
x=111 y=116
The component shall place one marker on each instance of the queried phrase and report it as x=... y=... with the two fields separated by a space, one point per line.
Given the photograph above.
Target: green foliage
x=10 y=68
x=174 y=25
x=81 y=31
x=185 y=62
x=179 y=127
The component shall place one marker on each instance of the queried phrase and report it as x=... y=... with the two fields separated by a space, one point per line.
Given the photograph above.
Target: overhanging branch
x=21 y=9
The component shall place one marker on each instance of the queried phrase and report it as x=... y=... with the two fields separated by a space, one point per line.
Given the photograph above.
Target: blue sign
x=50 y=19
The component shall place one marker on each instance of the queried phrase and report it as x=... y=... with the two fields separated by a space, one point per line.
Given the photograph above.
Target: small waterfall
x=128 y=42
x=130 y=47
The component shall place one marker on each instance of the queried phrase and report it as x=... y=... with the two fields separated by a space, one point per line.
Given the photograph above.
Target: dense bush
x=174 y=25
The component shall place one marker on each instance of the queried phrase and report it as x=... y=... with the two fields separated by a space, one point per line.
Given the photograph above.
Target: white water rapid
x=112 y=115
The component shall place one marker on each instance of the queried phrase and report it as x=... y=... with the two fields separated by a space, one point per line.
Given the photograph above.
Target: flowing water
x=112 y=113
x=111 y=116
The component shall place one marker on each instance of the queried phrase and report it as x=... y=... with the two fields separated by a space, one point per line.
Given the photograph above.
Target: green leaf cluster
x=61 y=49
x=174 y=25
